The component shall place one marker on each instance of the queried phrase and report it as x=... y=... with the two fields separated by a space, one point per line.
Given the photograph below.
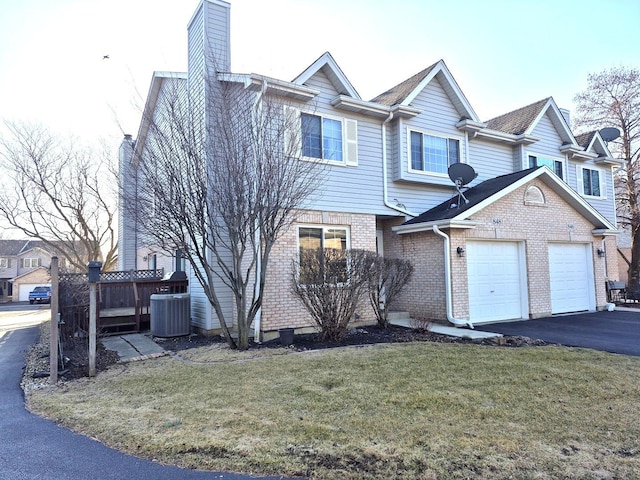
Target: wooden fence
x=123 y=304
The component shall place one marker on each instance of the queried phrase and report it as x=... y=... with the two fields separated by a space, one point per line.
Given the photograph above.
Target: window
x=30 y=262
x=321 y=137
x=332 y=139
x=554 y=165
x=590 y=180
x=4 y=263
x=323 y=254
x=433 y=154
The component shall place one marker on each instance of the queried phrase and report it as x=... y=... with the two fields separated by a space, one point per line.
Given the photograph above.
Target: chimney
x=208 y=34
x=567 y=115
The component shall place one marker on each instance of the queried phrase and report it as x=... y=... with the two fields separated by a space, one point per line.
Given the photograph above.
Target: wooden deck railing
x=124 y=300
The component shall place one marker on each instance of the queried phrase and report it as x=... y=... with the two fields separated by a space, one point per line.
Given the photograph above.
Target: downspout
x=257 y=323
x=447 y=284
x=384 y=170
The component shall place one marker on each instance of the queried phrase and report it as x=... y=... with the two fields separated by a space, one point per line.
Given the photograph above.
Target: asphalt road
x=32 y=448
x=615 y=332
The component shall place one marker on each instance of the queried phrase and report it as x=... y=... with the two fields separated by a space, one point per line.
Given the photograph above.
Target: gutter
x=447 y=273
x=384 y=171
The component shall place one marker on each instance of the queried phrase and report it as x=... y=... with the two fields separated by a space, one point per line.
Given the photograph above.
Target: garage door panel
x=494 y=281
x=24 y=289
x=570 y=278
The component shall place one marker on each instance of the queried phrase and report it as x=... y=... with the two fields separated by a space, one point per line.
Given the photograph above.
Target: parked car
x=40 y=295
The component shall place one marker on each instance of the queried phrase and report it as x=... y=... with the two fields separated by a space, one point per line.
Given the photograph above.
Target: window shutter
x=351 y=142
x=39 y=262
x=603 y=186
x=579 y=181
x=292 y=132
x=22 y=263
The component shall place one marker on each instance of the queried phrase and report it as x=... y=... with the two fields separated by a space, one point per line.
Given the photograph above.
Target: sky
x=504 y=54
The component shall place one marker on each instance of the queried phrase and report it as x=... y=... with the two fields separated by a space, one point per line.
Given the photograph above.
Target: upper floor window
x=30 y=262
x=4 y=263
x=331 y=139
x=321 y=137
x=433 y=154
x=590 y=182
x=554 y=165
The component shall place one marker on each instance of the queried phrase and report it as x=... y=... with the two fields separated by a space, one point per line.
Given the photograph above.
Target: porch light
x=601 y=252
x=460 y=251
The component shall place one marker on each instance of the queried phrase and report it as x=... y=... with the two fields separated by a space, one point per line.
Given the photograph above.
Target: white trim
x=431 y=133
x=563 y=161
x=441 y=68
x=327 y=60
x=346 y=142
x=601 y=182
x=323 y=227
x=571 y=196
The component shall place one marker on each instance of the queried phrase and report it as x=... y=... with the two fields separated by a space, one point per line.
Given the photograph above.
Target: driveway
x=37 y=449
x=615 y=332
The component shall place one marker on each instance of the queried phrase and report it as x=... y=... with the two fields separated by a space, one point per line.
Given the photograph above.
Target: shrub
x=330 y=283
x=387 y=277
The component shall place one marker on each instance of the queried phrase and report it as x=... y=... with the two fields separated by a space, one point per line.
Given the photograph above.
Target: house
x=24 y=264
x=533 y=234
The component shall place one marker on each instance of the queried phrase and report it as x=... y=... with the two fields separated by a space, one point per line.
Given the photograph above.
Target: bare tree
x=223 y=187
x=387 y=278
x=330 y=284
x=612 y=99
x=58 y=193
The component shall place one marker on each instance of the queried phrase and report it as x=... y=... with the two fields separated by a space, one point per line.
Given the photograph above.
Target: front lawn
x=412 y=411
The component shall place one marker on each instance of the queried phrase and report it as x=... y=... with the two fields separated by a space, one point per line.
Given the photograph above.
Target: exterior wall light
x=601 y=253
x=460 y=251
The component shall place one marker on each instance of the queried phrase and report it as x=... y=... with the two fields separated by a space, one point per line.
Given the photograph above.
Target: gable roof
x=396 y=95
x=524 y=120
x=518 y=121
x=405 y=92
x=492 y=190
x=336 y=76
x=13 y=248
x=585 y=139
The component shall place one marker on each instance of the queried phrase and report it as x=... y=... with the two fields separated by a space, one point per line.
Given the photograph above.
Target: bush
x=330 y=283
x=387 y=277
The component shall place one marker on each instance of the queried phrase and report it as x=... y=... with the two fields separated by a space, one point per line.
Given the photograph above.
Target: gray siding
x=489 y=159
x=127 y=227
x=216 y=24
x=345 y=188
x=439 y=118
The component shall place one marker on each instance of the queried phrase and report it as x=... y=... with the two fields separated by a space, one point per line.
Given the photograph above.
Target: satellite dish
x=461 y=174
x=609 y=134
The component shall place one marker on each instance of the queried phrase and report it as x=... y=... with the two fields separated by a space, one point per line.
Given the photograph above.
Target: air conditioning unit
x=170 y=314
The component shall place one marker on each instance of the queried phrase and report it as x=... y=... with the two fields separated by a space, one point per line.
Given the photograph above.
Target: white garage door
x=571 y=278
x=497 y=281
x=25 y=288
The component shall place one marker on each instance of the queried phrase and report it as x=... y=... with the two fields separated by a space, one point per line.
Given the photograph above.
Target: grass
x=409 y=411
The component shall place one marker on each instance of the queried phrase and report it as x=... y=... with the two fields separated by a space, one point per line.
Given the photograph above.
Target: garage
x=24 y=289
x=497 y=281
x=571 y=277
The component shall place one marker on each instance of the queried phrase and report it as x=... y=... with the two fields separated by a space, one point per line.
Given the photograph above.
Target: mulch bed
x=356 y=336
x=76 y=351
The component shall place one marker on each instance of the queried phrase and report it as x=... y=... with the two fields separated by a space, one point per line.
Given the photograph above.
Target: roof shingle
x=518 y=121
x=449 y=209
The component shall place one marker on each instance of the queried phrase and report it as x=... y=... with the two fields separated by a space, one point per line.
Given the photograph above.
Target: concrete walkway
x=133 y=347
x=446 y=330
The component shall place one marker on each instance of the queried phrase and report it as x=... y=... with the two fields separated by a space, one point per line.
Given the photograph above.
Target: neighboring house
x=24 y=264
x=536 y=238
